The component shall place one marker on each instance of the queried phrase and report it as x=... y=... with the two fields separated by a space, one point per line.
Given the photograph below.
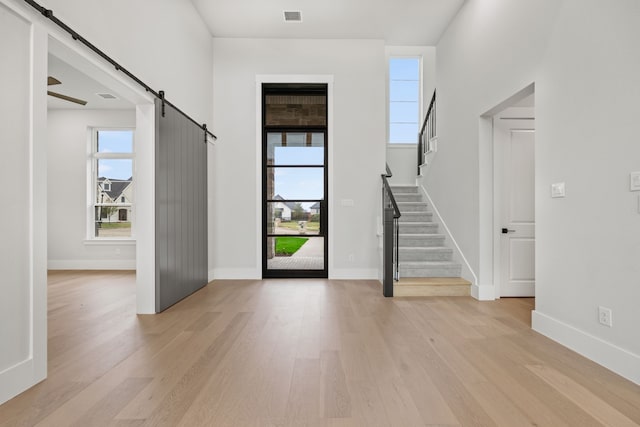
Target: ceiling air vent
x=292 y=16
x=106 y=96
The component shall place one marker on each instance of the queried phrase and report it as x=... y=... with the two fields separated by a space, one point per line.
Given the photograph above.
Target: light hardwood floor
x=307 y=353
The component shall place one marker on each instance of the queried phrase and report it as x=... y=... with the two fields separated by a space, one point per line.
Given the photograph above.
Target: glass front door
x=294 y=189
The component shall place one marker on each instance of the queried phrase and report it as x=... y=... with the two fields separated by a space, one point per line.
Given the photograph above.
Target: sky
x=115 y=141
x=298 y=183
x=404 y=100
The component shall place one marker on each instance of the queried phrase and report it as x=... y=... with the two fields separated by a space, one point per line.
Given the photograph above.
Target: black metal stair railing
x=390 y=233
x=427 y=132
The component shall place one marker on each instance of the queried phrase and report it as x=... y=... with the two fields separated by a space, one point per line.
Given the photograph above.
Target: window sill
x=110 y=242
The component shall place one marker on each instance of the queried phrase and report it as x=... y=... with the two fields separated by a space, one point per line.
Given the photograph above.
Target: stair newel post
x=419 y=153
x=396 y=248
x=388 y=236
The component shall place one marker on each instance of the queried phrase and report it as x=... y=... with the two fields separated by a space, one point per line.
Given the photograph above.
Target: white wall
x=582 y=57
x=165 y=43
x=402 y=161
x=358 y=148
x=14 y=174
x=588 y=244
x=23 y=218
x=67 y=159
x=489 y=52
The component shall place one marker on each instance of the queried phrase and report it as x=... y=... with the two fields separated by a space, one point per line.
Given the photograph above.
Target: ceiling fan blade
x=52 y=81
x=67 y=98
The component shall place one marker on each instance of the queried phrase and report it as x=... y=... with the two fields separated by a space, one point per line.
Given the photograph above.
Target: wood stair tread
x=431 y=287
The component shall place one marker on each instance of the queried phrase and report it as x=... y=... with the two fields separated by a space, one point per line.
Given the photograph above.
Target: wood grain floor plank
x=336 y=399
x=174 y=406
x=39 y=402
x=562 y=410
x=303 y=406
x=598 y=409
x=224 y=399
x=367 y=404
x=104 y=411
x=307 y=353
x=497 y=405
x=622 y=395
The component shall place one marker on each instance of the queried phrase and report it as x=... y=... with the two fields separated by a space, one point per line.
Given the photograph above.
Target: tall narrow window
x=111 y=177
x=404 y=100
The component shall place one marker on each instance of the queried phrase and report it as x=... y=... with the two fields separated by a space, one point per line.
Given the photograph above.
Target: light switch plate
x=557 y=189
x=347 y=202
x=634 y=181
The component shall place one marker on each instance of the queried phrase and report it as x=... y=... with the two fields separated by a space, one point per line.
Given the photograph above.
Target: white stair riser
x=425 y=254
x=417 y=228
x=421 y=241
x=407 y=197
x=416 y=217
x=404 y=189
x=412 y=207
x=441 y=271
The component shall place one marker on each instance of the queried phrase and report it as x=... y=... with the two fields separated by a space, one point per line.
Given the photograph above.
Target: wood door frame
x=294 y=78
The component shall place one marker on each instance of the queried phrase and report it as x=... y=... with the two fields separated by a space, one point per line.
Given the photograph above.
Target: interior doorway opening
x=514 y=198
x=100 y=145
x=516 y=113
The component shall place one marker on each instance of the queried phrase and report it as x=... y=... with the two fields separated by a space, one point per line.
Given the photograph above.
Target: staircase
x=426 y=265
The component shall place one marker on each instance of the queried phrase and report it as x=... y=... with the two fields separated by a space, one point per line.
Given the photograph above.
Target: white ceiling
x=79 y=85
x=398 y=22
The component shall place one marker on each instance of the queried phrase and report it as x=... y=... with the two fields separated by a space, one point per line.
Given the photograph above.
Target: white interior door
x=517 y=228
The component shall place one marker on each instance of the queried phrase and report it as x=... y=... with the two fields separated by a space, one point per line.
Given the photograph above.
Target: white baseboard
x=235 y=274
x=483 y=292
x=612 y=357
x=92 y=264
x=354 y=273
x=16 y=379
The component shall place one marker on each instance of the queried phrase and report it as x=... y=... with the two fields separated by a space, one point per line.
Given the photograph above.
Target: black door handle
x=506 y=230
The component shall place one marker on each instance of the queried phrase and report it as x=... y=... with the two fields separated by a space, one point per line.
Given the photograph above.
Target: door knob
x=506 y=230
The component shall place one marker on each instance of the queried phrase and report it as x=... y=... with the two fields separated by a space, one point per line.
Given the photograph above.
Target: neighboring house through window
x=404 y=99
x=111 y=178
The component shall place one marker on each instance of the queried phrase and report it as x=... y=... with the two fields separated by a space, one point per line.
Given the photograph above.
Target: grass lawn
x=289 y=245
x=115 y=225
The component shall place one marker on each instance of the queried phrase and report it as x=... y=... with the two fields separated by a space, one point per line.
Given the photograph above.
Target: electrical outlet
x=352 y=258
x=604 y=316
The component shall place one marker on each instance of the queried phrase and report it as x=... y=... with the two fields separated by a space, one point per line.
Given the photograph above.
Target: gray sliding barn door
x=181 y=207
